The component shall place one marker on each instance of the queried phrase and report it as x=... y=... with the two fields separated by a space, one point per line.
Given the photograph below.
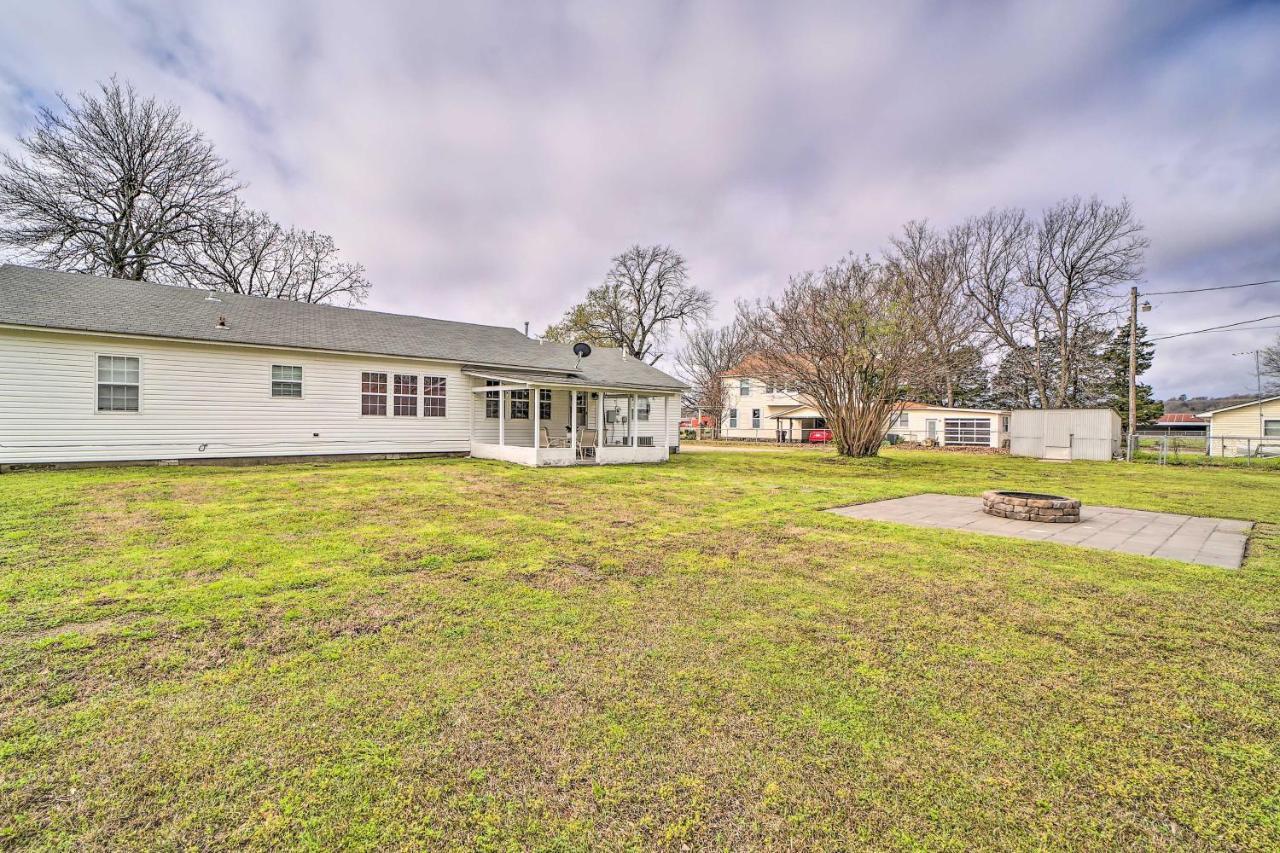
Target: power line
x=1207 y=289
x=1224 y=327
x=1250 y=329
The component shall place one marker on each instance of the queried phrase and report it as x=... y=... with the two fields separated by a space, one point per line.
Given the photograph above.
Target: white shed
x=1065 y=434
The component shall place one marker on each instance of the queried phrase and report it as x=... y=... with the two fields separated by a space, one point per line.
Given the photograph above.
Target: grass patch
x=466 y=654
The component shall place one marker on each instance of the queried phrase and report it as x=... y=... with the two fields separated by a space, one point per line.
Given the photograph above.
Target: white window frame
x=756 y=419
x=733 y=418
x=494 y=397
x=413 y=399
x=443 y=397
x=512 y=399
x=1265 y=423
x=545 y=397
x=744 y=387
x=96 y=383
x=903 y=420
x=644 y=406
x=271 y=390
x=386 y=395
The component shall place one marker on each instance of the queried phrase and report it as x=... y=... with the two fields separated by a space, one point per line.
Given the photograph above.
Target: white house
x=1246 y=429
x=756 y=409
x=96 y=370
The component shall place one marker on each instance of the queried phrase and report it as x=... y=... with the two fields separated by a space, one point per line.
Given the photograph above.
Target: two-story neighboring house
x=757 y=410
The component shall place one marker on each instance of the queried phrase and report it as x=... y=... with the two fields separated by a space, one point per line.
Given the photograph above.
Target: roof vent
x=212 y=298
x=222 y=321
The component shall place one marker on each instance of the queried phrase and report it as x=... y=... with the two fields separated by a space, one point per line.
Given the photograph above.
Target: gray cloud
x=486 y=160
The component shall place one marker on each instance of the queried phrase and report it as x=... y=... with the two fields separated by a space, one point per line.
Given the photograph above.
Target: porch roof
x=549 y=379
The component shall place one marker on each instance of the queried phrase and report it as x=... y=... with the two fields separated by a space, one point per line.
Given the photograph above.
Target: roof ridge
x=247 y=296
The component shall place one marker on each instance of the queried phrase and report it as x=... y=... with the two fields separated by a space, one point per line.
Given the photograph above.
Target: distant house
x=1180 y=422
x=759 y=410
x=96 y=369
x=1246 y=429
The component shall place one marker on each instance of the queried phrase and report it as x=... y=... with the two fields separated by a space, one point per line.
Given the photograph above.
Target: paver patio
x=1189 y=538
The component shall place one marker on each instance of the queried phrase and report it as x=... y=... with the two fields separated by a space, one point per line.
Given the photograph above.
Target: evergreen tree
x=1116 y=356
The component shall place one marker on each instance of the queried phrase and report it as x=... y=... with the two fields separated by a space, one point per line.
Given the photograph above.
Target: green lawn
x=465 y=654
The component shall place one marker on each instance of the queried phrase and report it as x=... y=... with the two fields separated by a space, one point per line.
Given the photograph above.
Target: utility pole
x=1133 y=371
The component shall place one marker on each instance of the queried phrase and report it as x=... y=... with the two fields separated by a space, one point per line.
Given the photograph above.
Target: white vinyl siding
x=204 y=400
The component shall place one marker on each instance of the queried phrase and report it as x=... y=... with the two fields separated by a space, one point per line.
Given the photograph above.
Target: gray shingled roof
x=58 y=300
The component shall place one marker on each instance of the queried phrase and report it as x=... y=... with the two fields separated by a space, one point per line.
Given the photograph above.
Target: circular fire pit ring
x=1030 y=506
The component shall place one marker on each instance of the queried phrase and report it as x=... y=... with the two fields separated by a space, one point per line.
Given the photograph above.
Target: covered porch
x=553 y=420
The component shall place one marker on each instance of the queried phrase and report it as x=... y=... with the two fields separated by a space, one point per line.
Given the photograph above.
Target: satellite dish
x=582 y=349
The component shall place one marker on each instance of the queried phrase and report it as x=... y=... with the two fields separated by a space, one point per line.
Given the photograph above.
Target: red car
x=819 y=436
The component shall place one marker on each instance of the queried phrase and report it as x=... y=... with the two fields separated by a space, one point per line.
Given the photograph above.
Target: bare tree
x=234 y=252
x=310 y=271
x=244 y=251
x=1084 y=250
x=993 y=250
x=948 y=320
x=708 y=354
x=110 y=185
x=1051 y=284
x=847 y=339
x=645 y=294
x=1270 y=364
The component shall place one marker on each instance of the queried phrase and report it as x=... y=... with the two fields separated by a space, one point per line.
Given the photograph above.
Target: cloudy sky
x=485 y=162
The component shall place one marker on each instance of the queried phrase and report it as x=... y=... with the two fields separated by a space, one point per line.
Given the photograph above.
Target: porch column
x=599 y=423
x=502 y=418
x=535 y=400
x=631 y=421
x=573 y=423
x=666 y=424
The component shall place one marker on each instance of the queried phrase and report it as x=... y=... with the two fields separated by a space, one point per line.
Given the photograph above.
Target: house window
x=405 y=398
x=492 y=400
x=643 y=406
x=544 y=404
x=744 y=387
x=582 y=409
x=768 y=388
x=755 y=419
x=118 y=383
x=972 y=432
x=373 y=393
x=733 y=418
x=1004 y=423
x=1271 y=429
x=433 y=396
x=286 y=381
x=519 y=405
x=903 y=420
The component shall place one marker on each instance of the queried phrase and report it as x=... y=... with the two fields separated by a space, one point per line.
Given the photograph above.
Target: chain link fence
x=1176 y=448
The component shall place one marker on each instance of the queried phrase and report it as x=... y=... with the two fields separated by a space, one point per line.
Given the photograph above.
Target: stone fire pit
x=1029 y=506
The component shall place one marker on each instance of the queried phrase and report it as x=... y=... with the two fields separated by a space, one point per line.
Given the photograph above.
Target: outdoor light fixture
x=1146 y=305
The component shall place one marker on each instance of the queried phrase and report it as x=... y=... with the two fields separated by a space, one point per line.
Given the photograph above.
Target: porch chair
x=545 y=439
x=586 y=441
